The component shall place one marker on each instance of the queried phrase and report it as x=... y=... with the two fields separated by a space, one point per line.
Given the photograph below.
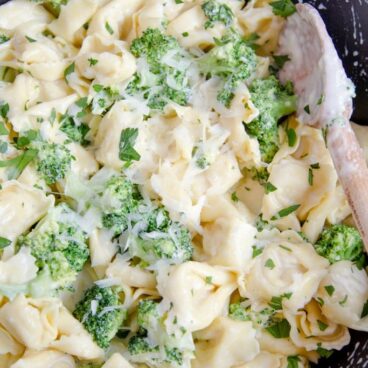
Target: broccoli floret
x=238 y=312
x=340 y=243
x=147 y=313
x=120 y=198
x=53 y=6
x=101 y=314
x=233 y=60
x=273 y=101
x=59 y=245
x=152 y=345
x=160 y=82
x=77 y=133
x=217 y=12
x=243 y=312
x=53 y=161
x=161 y=238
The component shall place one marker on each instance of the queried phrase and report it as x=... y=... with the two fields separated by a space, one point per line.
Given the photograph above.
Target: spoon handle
x=352 y=171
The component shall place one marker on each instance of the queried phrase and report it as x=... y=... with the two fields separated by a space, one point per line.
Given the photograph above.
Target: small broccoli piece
x=53 y=161
x=161 y=238
x=238 y=312
x=273 y=101
x=242 y=311
x=147 y=313
x=161 y=82
x=152 y=345
x=233 y=60
x=53 y=6
x=217 y=12
x=59 y=245
x=77 y=133
x=341 y=243
x=120 y=198
x=101 y=314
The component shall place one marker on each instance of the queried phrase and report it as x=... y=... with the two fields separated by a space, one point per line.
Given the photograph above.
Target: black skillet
x=347 y=22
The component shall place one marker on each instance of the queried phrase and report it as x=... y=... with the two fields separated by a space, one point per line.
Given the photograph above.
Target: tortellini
x=228 y=242
x=117 y=361
x=19 y=268
x=286 y=264
x=45 y=359
x=20 y=13
x=104 y=60
x=314 y=177
x=72 y=17
x=8 y=345
x=108 y=136
x=310 y=329
x=16 y=198
x=46 y=323
x=343 y=294
x=197 y=306
x=225 y=343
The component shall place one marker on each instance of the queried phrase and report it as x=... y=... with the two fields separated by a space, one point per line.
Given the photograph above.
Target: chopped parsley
x=293 y=361
x=365 y=310
x=3 y=130
x=269 y=188
x=292 y=138
x=108 y=28
x=92 y=61
x=256 y=251
x=30 y=39
x=283 y=8
x=234 y=197
x=208 y=280
x=69 y=70
x=4 y=242
x=322 y=326
x=270 y=264
x=127 y=152
x=18 y=164
x=330 y=289
x=285 y=212
x=3 y=38
x=279 y=329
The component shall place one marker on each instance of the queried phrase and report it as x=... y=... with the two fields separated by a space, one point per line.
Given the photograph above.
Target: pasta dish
x=160 y=203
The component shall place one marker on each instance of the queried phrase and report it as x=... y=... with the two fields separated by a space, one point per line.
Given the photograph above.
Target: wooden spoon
x=325 y=100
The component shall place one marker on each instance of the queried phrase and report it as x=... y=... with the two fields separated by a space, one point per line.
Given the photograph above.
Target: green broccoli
x=160 y=82
x=53 y=161
x=217 y=12
x=53 y=6
x=152 y=344
x=77 y=133
x=233 y=60
x=59 y=245
x=160 y=238
x=273 y=101
x=339 y=243
x=119 y=199
x=101 y=313
x=242 y=311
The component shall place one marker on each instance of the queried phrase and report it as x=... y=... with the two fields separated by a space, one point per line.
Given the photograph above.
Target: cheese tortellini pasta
x=161 y=206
